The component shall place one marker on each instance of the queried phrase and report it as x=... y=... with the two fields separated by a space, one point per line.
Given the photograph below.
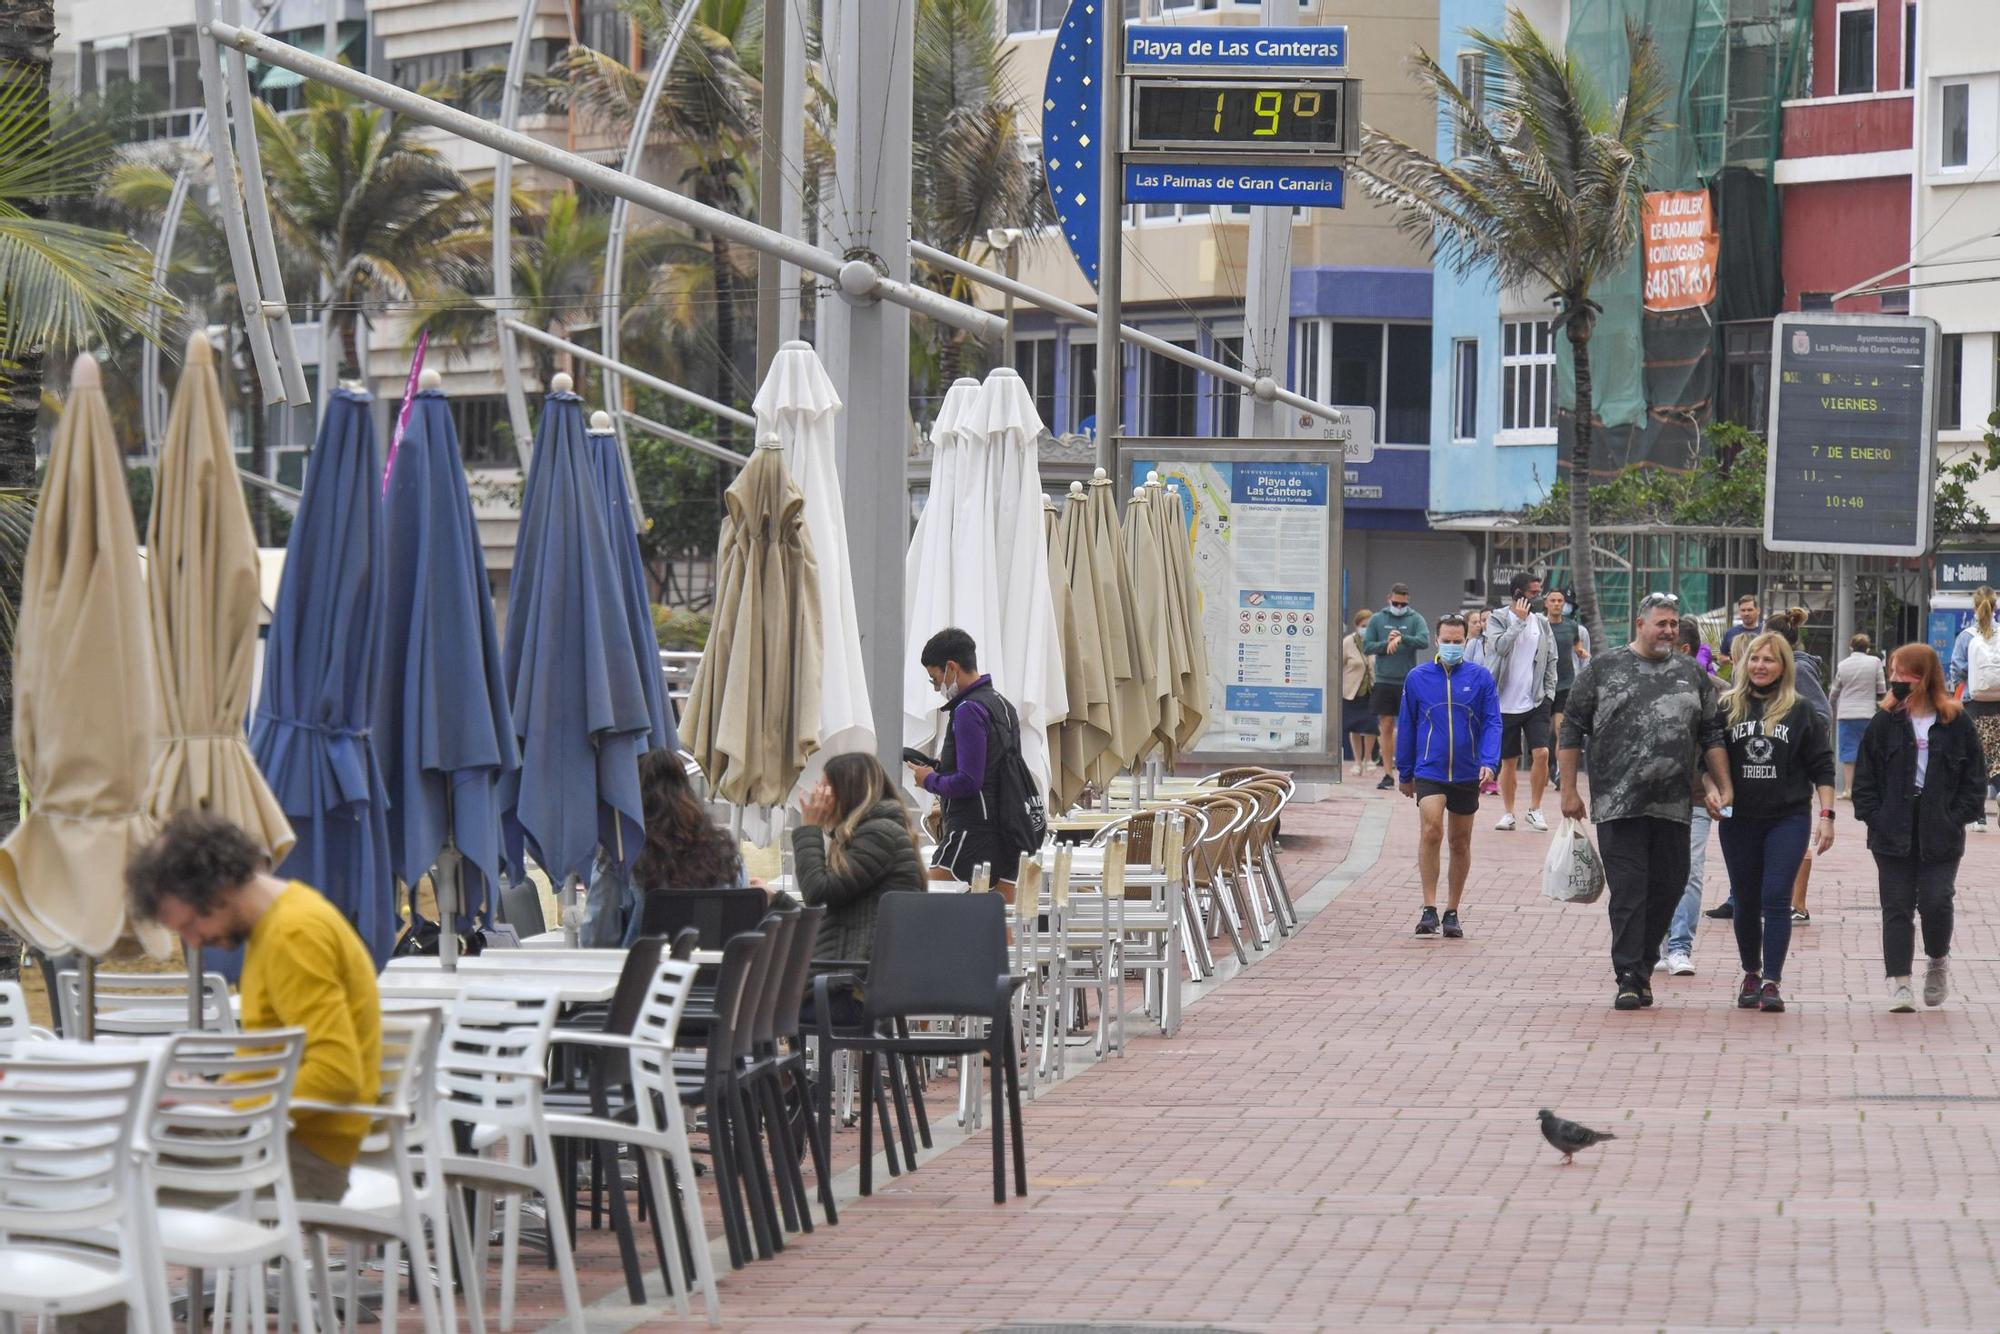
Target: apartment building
x=1954 y=200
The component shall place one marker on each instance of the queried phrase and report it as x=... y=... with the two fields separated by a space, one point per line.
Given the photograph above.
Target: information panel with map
x=1853 y=434
x=1262 y=533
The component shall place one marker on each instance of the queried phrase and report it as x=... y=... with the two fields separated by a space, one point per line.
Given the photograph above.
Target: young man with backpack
x=988 y=805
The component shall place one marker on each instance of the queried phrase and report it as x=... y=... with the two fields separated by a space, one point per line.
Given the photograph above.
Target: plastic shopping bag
x=1572 y=874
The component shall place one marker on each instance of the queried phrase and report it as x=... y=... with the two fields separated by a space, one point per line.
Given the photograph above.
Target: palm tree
x=373 y=213
x=558 y=279
x=971 y=168
x=1545 y=185
x=61 y=286
x=707 y=122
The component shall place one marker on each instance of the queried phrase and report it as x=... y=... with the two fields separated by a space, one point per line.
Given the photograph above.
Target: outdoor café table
x=571 y=988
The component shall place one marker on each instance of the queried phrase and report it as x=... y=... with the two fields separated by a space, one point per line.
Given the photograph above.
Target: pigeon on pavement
x=1567 y=1136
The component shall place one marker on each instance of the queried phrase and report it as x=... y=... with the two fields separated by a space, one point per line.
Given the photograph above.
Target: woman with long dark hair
x=1919 y=780
x=1780 y=760
x=857 y=844
x=684 y=848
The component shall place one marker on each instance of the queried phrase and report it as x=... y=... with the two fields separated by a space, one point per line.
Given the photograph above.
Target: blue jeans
x=1680 y=935
x=1763 y=858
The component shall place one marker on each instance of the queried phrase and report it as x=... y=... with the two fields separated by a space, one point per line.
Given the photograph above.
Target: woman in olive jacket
x=856 y=845
x=1918 y=781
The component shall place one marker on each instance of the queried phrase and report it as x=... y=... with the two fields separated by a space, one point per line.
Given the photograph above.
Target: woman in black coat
x=1918 y=782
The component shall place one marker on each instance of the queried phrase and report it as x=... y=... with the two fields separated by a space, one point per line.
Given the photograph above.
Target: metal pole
x=1110 y=233
x=1007 y=347
x=229 y=200
x=856 y=278
x=503 y=241
x=1267 y=296
x=792 y=188
x=1262 y=386
x=866 y=343
x=667 y=387
x=770 y=178
x=1845 y=569
x=194 y=969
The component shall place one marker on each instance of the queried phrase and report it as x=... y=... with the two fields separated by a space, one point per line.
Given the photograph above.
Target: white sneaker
x=1680 y=965
x=1536 y=822
x=1504 y=822
x=1937 y=982
x=1901 y=999
x=1979 y=825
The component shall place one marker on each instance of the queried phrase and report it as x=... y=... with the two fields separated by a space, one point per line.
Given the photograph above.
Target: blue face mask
x=1451 y=654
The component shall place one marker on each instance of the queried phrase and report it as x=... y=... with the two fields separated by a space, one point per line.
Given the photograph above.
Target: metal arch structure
x=856 y=279
x=503 y=229
x=152 y=394
x=253 y=251
x=621 y=213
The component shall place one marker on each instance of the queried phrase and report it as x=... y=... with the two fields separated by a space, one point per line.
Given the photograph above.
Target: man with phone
x=1521 y=653
x=967 y=775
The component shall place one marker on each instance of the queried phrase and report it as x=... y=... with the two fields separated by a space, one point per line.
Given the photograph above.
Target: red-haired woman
x=1918 y=781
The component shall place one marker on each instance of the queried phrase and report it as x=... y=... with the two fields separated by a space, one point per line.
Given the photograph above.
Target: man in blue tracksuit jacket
x=1447 y=744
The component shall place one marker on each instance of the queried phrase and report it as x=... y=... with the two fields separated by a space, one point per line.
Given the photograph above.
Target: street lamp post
x=1003 y=239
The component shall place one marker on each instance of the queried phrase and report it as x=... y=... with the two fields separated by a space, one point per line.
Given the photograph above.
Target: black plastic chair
x=716 y=1087
x=935 y=956
x=686 y=941
x=521 y=908
x=781 y=1051
x=718 y=914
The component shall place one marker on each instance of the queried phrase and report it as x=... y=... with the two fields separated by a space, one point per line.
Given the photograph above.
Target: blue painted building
x=1493 y=355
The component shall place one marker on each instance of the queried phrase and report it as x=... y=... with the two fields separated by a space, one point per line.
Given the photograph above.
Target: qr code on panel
x=1302 y=738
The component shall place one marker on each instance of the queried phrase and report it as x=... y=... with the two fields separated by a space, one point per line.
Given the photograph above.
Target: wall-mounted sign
x=1680 y=244
x=1150 y=182
x=1961 y=571
x=1176 y=47
x=1853 y=434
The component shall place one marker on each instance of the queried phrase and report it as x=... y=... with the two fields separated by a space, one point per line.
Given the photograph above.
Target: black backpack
x=1023 y=820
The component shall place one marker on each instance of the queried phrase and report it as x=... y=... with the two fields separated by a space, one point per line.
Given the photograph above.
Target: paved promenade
x=1343 y=1137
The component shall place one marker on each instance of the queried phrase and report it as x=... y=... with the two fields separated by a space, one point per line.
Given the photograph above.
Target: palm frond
x=17 y=523
x=60 y=283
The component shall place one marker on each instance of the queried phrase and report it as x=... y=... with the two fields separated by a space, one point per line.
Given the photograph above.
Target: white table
x=593 y=988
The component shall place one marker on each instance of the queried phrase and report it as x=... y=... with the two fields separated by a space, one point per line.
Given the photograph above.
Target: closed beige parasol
x=86 y=708
x=753 y=713
x=202 y=582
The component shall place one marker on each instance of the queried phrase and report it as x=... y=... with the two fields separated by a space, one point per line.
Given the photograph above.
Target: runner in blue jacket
x=1447 y=744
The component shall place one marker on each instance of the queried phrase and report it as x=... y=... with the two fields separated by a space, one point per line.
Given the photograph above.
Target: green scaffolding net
x=1732 y=63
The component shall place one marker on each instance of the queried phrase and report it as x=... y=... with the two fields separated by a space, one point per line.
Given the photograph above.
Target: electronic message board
x=1853 y=434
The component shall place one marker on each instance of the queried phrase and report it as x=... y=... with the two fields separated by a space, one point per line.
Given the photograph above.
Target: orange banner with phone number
x=1680 y=241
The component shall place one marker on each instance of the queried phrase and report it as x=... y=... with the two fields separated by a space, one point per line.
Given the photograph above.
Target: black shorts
x=1387 y=700
x=961 y=850
x=1459 y=798
x=1524 y=732
x=1561 y=704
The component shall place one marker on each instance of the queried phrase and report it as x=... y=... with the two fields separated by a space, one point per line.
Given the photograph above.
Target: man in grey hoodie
x=1521 y=654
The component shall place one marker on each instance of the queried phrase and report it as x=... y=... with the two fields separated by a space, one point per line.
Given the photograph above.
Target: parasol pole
x=86 y=999
x=448 y=886
x=194 y=971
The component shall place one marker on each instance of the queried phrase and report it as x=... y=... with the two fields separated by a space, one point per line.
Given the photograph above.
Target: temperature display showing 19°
x=1278 y=115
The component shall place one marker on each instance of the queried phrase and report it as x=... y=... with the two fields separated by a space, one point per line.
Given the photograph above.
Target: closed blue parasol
x=608 y=463
x=312 y=734
x=442 y=724
x=571 y=667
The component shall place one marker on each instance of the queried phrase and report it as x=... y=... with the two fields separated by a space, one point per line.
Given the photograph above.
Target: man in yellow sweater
x=303 y=967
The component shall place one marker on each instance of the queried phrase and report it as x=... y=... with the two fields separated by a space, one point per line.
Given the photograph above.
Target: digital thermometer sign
x=1284 y=116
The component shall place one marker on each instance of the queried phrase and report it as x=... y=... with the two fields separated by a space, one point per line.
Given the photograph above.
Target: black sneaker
x=1427 y=924
x=1645 y=993
x=1746 y=999
x=1724 y=909
x=1451 y=927
x=1628 y=995
x=1768 y=999
x=1388 y=781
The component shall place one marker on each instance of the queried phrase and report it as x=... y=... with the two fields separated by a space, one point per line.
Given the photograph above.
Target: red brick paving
x=1343 y=1137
